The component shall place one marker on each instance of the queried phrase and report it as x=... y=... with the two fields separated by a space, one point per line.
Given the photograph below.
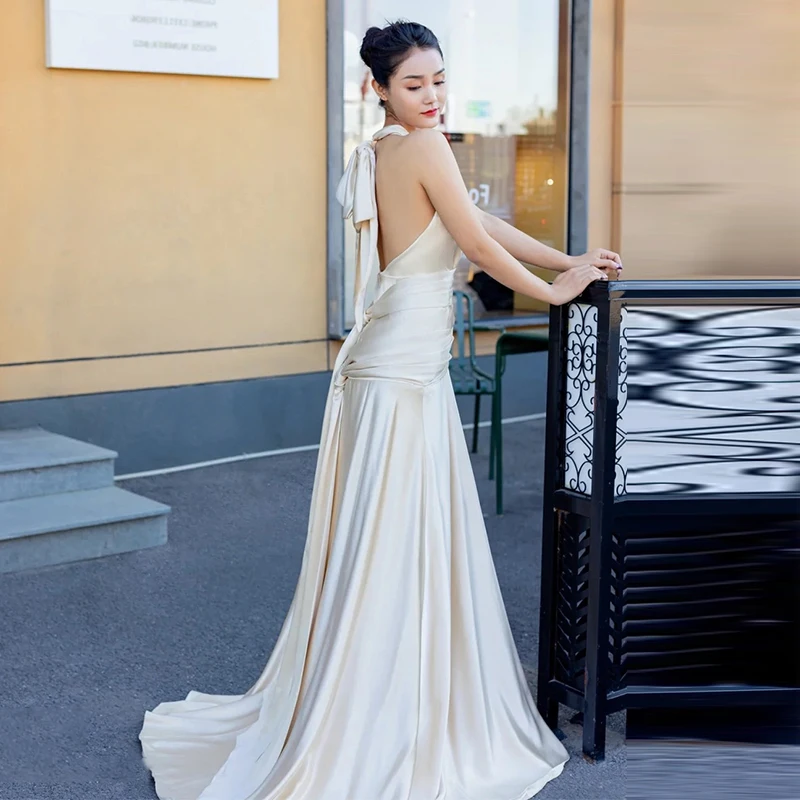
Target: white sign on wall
x=237 y=38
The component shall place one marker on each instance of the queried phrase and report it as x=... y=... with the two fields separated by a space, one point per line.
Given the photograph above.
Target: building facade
x=174 y=270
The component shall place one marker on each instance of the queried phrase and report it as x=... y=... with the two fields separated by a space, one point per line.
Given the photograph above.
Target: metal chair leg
x=477 y=419
x=498 y=445
x=492 y=435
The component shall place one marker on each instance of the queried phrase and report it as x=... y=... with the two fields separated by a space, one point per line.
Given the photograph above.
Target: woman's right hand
x=568 y=285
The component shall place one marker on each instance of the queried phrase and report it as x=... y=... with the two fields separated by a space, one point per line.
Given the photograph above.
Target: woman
x=395 y=675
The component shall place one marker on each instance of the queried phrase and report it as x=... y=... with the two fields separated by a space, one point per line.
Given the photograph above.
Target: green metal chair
x=508 y=344
x=468 y=378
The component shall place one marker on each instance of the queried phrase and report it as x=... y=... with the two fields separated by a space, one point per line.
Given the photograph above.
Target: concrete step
x=74 y=526
x=35 y=462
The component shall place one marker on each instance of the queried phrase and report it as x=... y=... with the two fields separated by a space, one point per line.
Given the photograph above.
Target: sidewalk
x=86 y=648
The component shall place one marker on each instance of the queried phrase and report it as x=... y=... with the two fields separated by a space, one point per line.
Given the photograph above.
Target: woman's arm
x=439 y=175
x=530 y=251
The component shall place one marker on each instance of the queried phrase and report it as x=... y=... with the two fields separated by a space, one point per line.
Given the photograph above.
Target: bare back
x=404 y=210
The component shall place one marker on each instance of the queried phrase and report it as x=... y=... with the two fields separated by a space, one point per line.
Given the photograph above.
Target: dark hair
x=384 y=49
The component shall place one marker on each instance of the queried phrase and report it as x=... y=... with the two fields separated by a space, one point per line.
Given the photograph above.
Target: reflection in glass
x=505 y=114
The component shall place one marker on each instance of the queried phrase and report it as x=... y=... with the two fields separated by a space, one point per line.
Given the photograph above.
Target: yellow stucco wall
x=695 y=113
x=160 y=229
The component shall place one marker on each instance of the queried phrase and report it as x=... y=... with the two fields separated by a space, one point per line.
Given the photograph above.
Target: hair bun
x=383 y=49
x=368 y=43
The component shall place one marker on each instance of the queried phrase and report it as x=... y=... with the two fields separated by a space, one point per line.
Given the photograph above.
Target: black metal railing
x=671 y=499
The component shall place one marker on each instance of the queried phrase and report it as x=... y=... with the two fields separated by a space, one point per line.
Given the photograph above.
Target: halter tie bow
x=356 y=193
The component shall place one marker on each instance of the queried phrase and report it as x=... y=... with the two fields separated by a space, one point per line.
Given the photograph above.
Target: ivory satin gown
x=395 y=675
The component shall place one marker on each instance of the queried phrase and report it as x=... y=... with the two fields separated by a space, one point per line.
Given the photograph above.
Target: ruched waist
x=408 y=332
x=413 y=293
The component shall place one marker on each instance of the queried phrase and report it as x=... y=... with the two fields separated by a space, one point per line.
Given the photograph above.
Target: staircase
x=58 y=503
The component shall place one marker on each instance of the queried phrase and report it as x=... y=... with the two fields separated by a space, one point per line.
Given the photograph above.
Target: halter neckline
x=388 y=131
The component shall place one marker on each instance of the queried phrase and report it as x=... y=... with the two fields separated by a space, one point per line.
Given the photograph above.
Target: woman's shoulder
x=427 y=138
x=427 y=144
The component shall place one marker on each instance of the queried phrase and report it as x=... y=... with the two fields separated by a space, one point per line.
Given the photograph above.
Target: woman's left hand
x=607 y=260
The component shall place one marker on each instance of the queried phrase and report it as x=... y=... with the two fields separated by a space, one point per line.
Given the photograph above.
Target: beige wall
x=601 y=111
x=695 y=136
x=159 y=229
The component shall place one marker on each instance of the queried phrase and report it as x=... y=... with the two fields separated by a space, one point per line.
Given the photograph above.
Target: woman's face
x=416 y=93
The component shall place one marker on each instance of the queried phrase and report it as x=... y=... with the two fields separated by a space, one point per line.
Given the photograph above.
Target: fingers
x=589 y=274
x=585 y=275
x=611 y=256
x=578 y=278
x=607 y=263
x=593 y=273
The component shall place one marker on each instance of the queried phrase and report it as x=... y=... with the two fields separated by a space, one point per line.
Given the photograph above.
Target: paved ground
x=718 y=771
x=86 y=648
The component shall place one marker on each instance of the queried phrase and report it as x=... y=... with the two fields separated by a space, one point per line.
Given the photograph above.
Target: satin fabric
x=395 y=675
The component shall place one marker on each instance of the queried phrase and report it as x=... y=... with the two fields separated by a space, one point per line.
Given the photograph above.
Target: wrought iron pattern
x=620 y=463
x=579 y=389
